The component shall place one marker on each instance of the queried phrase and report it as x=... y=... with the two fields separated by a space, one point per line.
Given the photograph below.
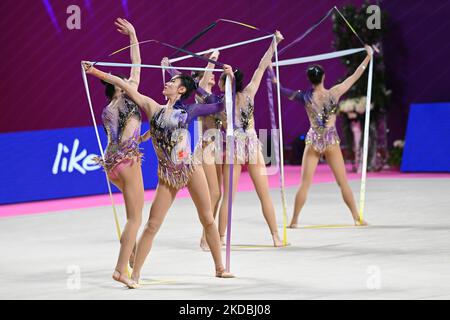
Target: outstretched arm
x=203 y=83
x=197 y=110
x=172 y=72
x=126 y=28
x=145 y=103
x=291 y=94
x=253 y=86
x=338 y=90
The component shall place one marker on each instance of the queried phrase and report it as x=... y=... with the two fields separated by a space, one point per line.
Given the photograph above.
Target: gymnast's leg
x=309 y=164
x=335 y=160
x=198 y=189
x=165 y=195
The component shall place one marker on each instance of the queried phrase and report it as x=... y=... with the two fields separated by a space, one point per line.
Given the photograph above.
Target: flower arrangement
x=395 y=156
x=353 y=107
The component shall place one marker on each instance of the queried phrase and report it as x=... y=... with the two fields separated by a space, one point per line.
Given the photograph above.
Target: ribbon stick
x=362 y=194
x=195 y=38
x=229 y=105
x=349 y=25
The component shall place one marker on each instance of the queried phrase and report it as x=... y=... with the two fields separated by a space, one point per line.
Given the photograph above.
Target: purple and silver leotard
x=246 y=140
x=322 y=117
x=122 y=123
x=168 y=129
x=247 y=144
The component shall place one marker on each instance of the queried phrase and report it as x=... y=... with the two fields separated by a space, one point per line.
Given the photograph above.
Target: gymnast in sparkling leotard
x=177 y=167
x=211 y=133
x=247 y=147
x=122 y=123
x=321 y=112
x=122 y=159
x=322 y=138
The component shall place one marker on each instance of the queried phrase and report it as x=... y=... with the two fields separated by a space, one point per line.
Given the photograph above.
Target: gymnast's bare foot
x=135 y=277
x=204 y=244
x=293 y=224
x=221 y=273
x=120 y=277
x=361 y=223
x=277 y=242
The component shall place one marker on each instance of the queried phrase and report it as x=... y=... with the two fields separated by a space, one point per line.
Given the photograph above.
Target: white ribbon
x=153 y=66
x=319 y=57
x=237 y=44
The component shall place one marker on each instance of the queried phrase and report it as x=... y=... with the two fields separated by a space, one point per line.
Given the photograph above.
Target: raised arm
x=338 y=90
x=265 y=62
x=145 y=103
x=197 y=110
x=126 y=28
x=172 y=72
x=291 y=94
x=203 y=83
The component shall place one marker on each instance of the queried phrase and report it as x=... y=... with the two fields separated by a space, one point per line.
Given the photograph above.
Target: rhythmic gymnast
x=122 y=163
x=176 y=165
x=248 y=147
x=322 y=139
x=211 y=133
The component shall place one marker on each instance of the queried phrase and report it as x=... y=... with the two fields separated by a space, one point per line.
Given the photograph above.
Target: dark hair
x=197 y=75
x=315 y=74
x=238 y=78
x=110 y=90
x=188 y=83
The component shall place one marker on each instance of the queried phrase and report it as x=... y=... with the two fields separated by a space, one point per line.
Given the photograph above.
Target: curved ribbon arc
x=367 y=114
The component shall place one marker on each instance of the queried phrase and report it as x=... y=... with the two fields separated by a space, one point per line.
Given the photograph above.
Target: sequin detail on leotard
x=168 y=129
x=246 y=142
x=122 y=124
x=322 y=117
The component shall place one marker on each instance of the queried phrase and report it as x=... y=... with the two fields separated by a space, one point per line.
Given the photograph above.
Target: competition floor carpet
x=50 y=253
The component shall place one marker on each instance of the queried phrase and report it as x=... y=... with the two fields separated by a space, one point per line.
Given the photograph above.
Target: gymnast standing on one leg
x=176 y=166
x=211 y=134
x=122 y=163
x=322 y=139
x=248 y=147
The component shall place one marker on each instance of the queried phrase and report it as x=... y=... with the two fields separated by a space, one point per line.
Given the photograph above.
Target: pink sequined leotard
x=122 y=123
